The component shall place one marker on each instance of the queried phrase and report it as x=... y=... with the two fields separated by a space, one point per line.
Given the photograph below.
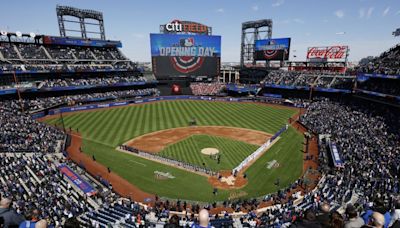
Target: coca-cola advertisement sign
x=330 y=53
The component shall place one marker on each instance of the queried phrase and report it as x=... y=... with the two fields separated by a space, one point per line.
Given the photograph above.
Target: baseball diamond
x=103 y=130
x=236 y=121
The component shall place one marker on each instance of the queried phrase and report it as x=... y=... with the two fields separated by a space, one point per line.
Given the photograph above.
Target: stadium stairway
x=93 y=55
x=47 y=53
x=18 y=53
x=2 y=57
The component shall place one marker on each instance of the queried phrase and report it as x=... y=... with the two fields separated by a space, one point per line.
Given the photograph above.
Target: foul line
x=138 y=163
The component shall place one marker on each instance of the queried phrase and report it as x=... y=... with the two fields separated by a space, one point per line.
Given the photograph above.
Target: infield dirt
x=156 y=141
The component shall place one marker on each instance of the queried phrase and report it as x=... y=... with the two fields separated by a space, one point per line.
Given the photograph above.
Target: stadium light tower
x=252 y=31
x=82 y=15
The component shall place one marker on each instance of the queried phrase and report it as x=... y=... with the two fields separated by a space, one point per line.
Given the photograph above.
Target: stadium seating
x=387 y=63
x=33 y=181
x=381 y=85
x=367 y=136
x=363 y=134
x=47 y=102
x=20 y=133
x=308 y=79
x=202 y=88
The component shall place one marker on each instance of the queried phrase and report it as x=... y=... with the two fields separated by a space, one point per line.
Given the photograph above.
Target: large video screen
x=272 y=49
x=185 y=55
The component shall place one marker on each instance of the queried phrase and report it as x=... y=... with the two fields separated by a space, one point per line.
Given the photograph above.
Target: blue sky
x=368 y=24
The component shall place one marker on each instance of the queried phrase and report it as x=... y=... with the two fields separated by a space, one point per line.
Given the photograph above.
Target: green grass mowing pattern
x=288 y=153
x=115 y=126
x=190 y=186
x=232 y=152
x=103 y=130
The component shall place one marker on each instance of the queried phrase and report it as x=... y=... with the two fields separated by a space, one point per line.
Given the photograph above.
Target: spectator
x=41 y=224
x=204 y=220
x=336 y=220
x=32 y=219
x=10 y=217
x=379 y=206
x=71 y=223
x=309 y=221
x=173 y=222
x=324 y=217
x=396 y=213
x=377 y=220
x=354 y=221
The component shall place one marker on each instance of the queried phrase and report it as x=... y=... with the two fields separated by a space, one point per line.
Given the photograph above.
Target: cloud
x=278 y=3
x=370 y=11
x=361 y=13
x=255 y=8
x=339 y=14
x=340 y=33
x=386 y=11
x=220 y=10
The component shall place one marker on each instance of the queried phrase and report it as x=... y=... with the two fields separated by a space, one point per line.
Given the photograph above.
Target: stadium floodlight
x=252 y=31
x=81 y=15
x=32 y=35
x=18 y=33
x=3 y=33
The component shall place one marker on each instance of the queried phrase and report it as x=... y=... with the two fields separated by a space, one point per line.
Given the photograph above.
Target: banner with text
x=185 y=55
x=337 y=53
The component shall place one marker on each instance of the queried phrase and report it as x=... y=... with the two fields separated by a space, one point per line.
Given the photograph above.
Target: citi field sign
x=178 y=26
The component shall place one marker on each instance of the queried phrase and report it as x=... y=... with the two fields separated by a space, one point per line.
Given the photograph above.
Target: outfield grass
x=103 y=130
x=232 y=152
x=116 y=126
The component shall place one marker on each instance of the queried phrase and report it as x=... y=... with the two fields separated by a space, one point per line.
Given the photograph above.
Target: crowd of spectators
x=70 y=100
x=204 y=88
x=367 y=137
x=53 y=58
x=381 y=85
x=30 y=51
x=315 y=79
x=387 y=63
x=65 y=82
x=35 y=183
x=59 y=68
x=19 y=132
x=369 y=144
x=8 y=51
x=77 y=82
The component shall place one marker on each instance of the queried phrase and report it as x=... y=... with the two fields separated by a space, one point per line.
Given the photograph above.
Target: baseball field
x=234 y=129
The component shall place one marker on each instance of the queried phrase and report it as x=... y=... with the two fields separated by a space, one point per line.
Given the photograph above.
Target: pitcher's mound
x=210 y=151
